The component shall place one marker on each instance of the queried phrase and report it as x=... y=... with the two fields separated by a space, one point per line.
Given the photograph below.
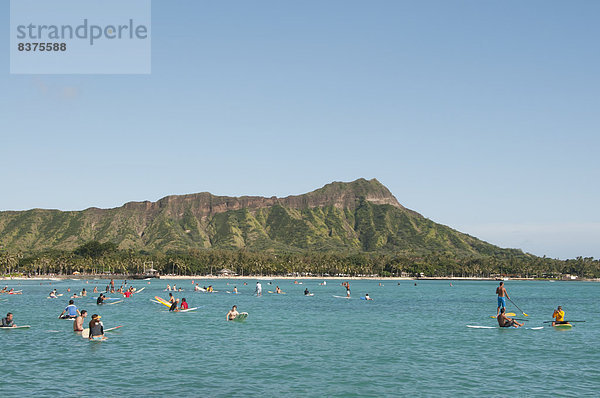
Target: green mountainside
x=358 y=216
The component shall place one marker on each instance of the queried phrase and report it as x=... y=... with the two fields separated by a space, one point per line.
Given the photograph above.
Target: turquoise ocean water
x=411 y=340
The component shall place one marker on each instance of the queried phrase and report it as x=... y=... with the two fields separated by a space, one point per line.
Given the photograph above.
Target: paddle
x=563 y=321
x=517 y=307
x=520 y=319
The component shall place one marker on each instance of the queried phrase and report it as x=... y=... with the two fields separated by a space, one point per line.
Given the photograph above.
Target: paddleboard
x=344 y=297
x=138 y=291
x=309 y=294
x=507 y=314
x=86 y=335
x=564 y=326
x=498 y=327
x=241 y=317
x=16 y=327
x=115 y=302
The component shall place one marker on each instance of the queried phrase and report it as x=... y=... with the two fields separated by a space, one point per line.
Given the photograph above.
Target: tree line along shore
x=94 y=258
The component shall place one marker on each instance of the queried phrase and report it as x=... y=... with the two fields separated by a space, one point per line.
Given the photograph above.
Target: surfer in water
x=100 y=299
x=502 y=296
x=184 y=304
x=306 y=292
x=367 y=297
x=233 y=313
x=174 y=306
x=78 y=324
x=96 y=328
x=8 y=321
x=506 y=322
x=71 y=311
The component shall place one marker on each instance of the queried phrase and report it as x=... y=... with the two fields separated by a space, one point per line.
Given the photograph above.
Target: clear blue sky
x=480 y=115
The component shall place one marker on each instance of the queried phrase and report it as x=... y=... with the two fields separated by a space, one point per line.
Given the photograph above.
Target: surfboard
x=309 y=295
x=163 y=301
x=111 y=329
x=188 y=310
x=241 y=317
x=139 y=291
x=115 y=302
x=344 y=297
x=16 y=327
x=507 y=314
x=498 y=327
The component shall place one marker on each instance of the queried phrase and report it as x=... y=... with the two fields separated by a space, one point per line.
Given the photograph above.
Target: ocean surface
x=409 y=341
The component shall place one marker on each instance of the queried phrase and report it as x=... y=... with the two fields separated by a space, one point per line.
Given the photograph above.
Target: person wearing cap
x=559 y=317
x=78 y=324
x=96 y=328
x=174 y=306
x=71 y=311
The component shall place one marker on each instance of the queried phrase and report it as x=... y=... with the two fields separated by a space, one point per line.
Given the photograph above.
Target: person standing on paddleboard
x=8 y=321
x=258 y=290
x=506 y=322
x=78 y=324
x=502 y=296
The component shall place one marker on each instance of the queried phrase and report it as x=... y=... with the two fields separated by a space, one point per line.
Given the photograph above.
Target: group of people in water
x=505 y=321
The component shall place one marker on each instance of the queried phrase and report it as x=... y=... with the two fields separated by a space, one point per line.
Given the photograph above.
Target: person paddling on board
x=502 y=296
x=174 y=306
x=8 y=321
x=367 y=297
x=71 y=311
x=232 y=314
x=100 y=299
x=96 y=328
x=306 y=292
x=506 y=322
x=559 y=317
x=78 y=324
x=258 y=290
x=347 y=286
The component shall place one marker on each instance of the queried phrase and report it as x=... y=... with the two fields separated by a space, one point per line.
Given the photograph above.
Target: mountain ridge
x=362 y=215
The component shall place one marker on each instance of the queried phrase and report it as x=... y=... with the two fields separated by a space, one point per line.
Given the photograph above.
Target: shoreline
x=273 y=277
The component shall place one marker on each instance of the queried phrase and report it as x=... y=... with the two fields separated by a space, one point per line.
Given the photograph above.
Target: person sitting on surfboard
x=559 y=317
x=232 y=314
x=174 y=306
x=184 y=304
x=71 y=310
x=277 y=290
x=8 y=321
x=235 y=291
x=78 y=324
x=502 y=296
x=506 y=322
x=96 y=328
x=306 y=292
